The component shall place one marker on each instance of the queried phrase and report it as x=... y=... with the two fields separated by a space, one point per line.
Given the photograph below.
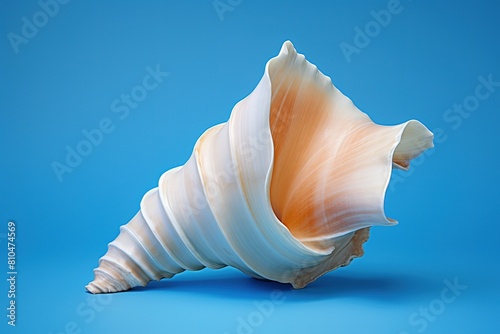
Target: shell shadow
x=390 y=287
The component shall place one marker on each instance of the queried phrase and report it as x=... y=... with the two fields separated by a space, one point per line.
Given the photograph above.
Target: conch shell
x=286 y=190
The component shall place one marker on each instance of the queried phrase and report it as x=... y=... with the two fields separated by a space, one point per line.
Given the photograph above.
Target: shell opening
x=332 y=164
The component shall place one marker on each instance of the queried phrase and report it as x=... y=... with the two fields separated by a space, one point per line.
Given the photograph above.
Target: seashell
x=286 y=190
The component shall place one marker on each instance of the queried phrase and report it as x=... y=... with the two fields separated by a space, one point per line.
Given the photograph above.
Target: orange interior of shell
x=320 y=158
x=296 y=157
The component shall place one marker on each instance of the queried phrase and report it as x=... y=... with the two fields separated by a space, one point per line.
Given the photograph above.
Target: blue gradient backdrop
x=67 y=74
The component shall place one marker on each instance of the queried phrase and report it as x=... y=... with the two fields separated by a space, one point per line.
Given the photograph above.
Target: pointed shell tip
x=287 y=48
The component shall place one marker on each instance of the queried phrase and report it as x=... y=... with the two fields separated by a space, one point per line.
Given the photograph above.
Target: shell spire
x=287 y=189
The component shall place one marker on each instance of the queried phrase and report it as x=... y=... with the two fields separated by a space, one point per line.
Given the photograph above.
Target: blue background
x=65 y=78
